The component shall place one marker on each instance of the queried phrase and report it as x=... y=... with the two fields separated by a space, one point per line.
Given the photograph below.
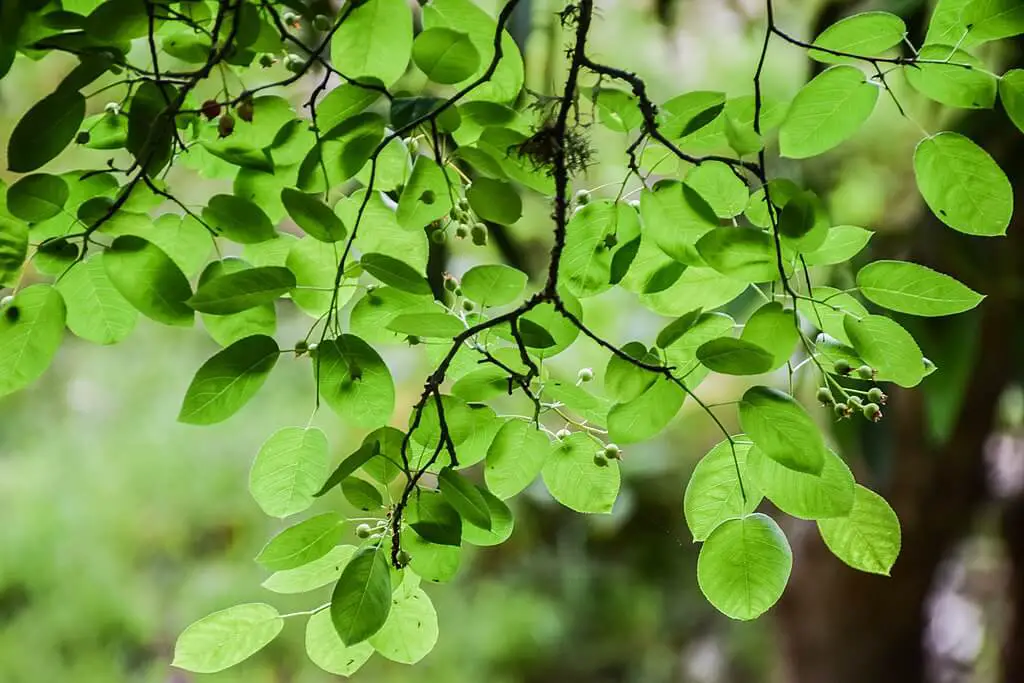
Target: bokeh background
x=118 y=526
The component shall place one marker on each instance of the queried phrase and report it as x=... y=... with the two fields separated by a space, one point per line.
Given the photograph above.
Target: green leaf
x=396 y=273
x=645 y=416
x=45 y=130
x=313 y=216
x=869 y=34
x=826 y=112
x=227 y=329
x=225 y=638
x=349 y=465
x=288 y=470
x=442 y=325
x=731 y=356
x=410 y=632
x=444 y=55
x=1011 y=93
x=773 y=329
x=311 y=575
x=744 y=566
x=682 y=352
x=842 y=243
x=624 y=380
x=502 y=523
x=915 y=289
x=241 y=290
x=302 y=543
x=593 y=409
x=315 y=266
x=675 y=216
x=426 y=196
x=344 y=102
x=963 y=185
x=617 y=109
x=462 y=495
x=106 y=131
x=714 y=493
x=13 y=247
x=868 y=538
x=495 y=201
x=803 y=495
x=672 y=332
x=433 y=518
x=228 y=380
x=361 y=600
x=240 y=220
x=782 y=429
x=803 y=222
x=361 y=494
x=96 y=311
x=355 y=382
x=31 y=330
x=723 y=190
x=993 y=19
x=888 y=348
x=150 y=130
x=685 y=115
x=375 y=40
x=149 y=280
x=745 y=254
x=962 y=83
x=326 y=649
x=593 y=233
x=493 y=285
x=515 y=458
x=575 y=480
x=37 y=197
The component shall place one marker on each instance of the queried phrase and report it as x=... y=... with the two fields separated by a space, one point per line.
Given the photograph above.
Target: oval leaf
x=361 y=599
x=354 y=381
x=31 y=329
x=288 y=470
x=779 y=426
x=576 y=481
x=239 y=291
x=868 y=538
x=302 y=543
x=223 y=639
x=826 y=112
x=911 y=288
x=734 y=357
x=149 y=280
x=228 y=380
x=714 y=492
x=444 y=55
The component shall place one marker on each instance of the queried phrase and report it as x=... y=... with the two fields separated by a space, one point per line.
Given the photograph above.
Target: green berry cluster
x=853 y=403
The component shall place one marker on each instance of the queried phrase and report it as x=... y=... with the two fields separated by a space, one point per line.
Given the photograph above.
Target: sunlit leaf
x=225 y=638
x=228 y=380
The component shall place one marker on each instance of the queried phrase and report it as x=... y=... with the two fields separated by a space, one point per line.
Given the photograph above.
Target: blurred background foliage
x=122 y=526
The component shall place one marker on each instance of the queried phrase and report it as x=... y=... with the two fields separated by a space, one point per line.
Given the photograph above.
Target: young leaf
x=410 y=632
x=716 y=489
x=225 y=638
x=960 y=82
x=311 y=575
x=375 y=40
x=444 y=55
x=354 y=381
x=886 y=347
x=361 y=600
x=238 y=219
x=228 y=380
x=326 y=649
x=462 y=495
x=37 y=197
x=396 y=273
x=731 y=356
x=45 y=130
x=867 y=33
x=515 y=458
x=96 y=311
x=149 y=280
x=803 y=495
x=312 y=215
x=963 y=185
x=302 y=543
x=31 y=329
x=782 y=429
x=744 y=566
x=241 y=290
x=645 y=416
x=493 y=284
x=915 y=289
x=575 y=480
x=826 y=112
x=288 y=470
x=868 y=538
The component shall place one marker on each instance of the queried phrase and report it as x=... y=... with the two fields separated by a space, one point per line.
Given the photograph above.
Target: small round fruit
x=585 y=375
x=841 y=410
x=876 y=395
x=245 y=110
x=842 y=367
x=825 y=396
x=854 y=403
x=479 y=233
x=301 y=346
x=404 y=558
x=438 y=237
x=267 y=60
x=210 y=109
x=582 y=198
x=600 y=460
x=450 y=283
x=82 y=138
x=635 y=203
x=363 y=531
x=463 y=204
x=458 y=291
x=872 y=412
x=612 y=451
x=865 y=372
x=468 y=306
x=294 y=63
x=290 y=18
x=321 y=23
x=225 y=125
x=462 y=231
x=563 y=434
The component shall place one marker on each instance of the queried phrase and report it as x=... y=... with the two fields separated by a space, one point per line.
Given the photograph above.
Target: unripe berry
x=462 y=231
x=612 y=451
x=363 y=531
x=635 y=203
x=841 y=410
x=225 y=125
x=294 y=63
x=321 y=23
x=450 y=283
x=245 y=110
x=301 y=347
x=404 y=558
x=210 y=109
x=825 y=396
x=563 y=434
x=854 y=403
x=479 y=233
x=865 y=372
x=267 y=60
x=842 y=367
x=876 y=395
x=290 y=18
x=582 y=198
x=464 y=204
x=468 y=305
x=585 y=375
x=872 y=412
x=600 y=460
x=438 y=237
